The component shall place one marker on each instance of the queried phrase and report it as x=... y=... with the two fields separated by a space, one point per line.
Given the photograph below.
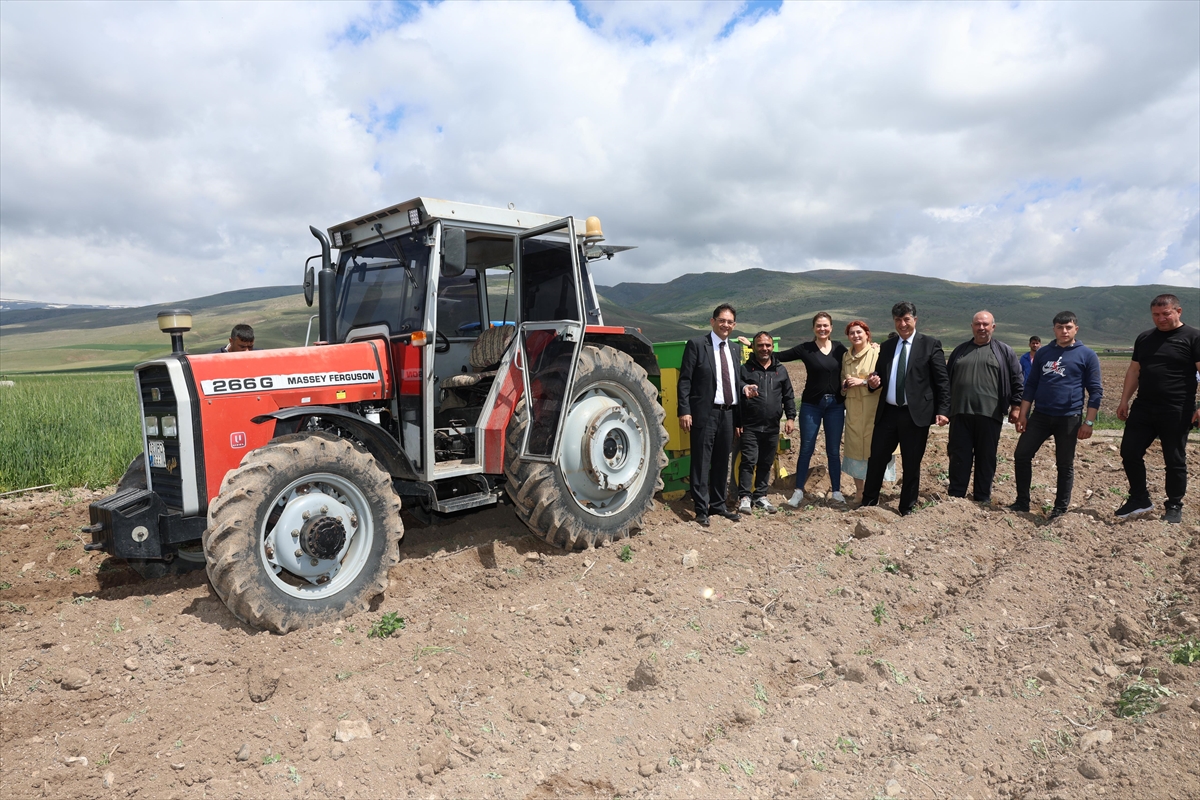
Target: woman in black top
x=820 y=402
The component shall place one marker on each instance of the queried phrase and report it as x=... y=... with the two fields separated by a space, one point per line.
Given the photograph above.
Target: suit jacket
x=926 y=384
x=698 y=381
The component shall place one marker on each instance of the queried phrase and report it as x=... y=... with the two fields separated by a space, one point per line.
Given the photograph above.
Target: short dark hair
x=1035 y=340
x=1065 y=317
x=242 y=332
x=1168 y=300
x=763 y=333
x=824 y=314
x=903 y=309
x=724 y=307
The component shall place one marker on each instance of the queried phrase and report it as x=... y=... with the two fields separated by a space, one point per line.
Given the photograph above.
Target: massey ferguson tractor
x=462 y=358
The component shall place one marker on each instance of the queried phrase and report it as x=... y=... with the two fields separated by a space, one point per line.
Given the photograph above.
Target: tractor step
x=452 y=504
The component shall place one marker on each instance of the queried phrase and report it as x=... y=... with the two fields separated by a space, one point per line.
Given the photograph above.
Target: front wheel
x=610 y=460
x=302 y=533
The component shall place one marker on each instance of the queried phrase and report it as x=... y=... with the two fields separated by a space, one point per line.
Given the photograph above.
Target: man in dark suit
x=911 y=372
x=709 y=387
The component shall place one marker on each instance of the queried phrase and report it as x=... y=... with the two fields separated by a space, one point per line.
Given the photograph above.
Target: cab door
x=550 y=336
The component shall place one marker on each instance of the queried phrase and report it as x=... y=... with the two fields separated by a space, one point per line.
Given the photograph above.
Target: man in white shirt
x=709 y=387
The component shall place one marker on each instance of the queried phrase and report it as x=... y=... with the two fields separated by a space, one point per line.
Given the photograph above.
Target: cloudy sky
x=153 y=151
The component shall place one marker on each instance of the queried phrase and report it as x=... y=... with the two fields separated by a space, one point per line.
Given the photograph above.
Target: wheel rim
x=317 y=536
x=605 y=449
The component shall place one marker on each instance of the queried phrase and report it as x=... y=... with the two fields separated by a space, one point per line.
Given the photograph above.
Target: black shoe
x=702 y=520
x=1055 y=513
x=1174 y=515
x=1019 y=507
x=983 y=501
x=1133 y=508
x=732 y=516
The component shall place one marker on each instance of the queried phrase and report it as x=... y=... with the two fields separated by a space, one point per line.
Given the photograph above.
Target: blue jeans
x=833 y=414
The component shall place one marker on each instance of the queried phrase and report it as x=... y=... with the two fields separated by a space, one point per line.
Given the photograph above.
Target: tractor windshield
x=374 y=288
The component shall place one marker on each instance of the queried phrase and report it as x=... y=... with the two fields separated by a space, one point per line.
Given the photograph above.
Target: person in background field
x=985 y=385
x=241 y=338
x=770 y=397
x=1163 y=371
x=857 y=365
x=1035 y=342
x=1062 y=371
x=820 y=404
x=915 y=391
x=709 y=387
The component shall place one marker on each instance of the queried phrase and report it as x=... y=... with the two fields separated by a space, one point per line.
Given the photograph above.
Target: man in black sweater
x=770 y=397
x=986 y=383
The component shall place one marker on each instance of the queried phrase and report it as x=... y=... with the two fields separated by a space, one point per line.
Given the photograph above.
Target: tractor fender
x=627 y=340
x=379 y=443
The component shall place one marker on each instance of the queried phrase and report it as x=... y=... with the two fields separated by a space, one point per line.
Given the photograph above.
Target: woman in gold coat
x=857 y=364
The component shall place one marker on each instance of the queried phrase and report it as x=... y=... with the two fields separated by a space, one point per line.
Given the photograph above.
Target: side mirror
x=310 y=282
x=454 y=252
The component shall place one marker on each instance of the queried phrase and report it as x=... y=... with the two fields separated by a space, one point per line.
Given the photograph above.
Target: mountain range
x=36 y=339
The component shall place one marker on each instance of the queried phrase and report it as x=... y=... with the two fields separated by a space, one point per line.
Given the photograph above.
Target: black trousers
x=1038 y=429
x=973 y=439
x=758 y=458
x=712 y=444
x=1170 y=426
x=894 y=426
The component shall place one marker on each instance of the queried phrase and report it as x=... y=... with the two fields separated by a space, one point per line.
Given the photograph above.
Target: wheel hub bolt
x=313 y=561
x=270 y=551
x=305 y=515
x=324 y=509
x=354 y=520
x=299 y=553
x=296 y=533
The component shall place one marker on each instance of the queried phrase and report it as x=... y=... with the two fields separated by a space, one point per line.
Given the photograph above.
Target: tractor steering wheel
x=441 y=344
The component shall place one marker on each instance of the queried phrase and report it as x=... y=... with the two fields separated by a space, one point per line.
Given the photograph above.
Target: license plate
x=158 y=453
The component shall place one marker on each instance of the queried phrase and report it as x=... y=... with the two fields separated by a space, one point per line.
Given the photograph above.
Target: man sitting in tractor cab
x=241 y=338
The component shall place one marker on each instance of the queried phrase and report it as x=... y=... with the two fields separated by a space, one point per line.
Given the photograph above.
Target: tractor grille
x=168 y=484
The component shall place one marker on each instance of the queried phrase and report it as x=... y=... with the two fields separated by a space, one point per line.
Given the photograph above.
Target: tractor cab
x=459 y=292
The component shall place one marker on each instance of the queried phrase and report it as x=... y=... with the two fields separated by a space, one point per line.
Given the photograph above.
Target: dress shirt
x=891 y=392
x=721 y=399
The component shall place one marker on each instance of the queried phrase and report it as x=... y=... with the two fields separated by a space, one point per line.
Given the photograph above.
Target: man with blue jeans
x=1061 y=372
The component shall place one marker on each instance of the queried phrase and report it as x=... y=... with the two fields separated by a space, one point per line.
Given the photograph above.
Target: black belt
x=723 y=407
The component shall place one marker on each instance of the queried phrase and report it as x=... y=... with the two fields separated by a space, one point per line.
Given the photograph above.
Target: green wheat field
x=67 y=430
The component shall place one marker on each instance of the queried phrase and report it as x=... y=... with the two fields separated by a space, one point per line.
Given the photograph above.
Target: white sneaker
x=796 y=499
x=744 y=506
x=838 y=498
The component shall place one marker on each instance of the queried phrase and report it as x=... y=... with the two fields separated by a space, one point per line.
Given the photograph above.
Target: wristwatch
x=1091 y=423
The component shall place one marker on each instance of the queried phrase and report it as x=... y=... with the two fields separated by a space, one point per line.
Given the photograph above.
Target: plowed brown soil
x=962 y=651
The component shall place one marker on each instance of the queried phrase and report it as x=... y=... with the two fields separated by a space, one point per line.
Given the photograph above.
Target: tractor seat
x=485 y=357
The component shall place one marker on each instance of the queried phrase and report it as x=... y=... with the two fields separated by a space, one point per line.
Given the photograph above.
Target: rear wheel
x=610 y=462
x=302 y=533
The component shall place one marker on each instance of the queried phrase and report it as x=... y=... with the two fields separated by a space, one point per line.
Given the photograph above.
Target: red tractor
x=462 y=358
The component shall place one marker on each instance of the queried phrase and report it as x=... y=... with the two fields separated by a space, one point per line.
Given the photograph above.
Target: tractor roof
x=394 y=218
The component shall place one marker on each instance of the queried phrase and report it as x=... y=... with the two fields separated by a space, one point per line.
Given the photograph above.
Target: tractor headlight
x=169 y=427
x=151 y=426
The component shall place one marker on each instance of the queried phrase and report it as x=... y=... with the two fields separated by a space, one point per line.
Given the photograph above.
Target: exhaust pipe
x=325 y=289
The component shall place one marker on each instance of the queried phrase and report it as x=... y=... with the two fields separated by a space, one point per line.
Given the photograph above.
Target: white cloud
x=151 y=152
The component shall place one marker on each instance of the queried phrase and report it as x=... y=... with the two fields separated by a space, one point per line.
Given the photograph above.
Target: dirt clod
x=261 y=682
x=1092 y=769
x=75 y=678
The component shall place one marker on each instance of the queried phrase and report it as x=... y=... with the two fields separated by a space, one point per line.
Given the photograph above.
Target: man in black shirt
x=1163 y=371
x=986 y=383
x=771 y=396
